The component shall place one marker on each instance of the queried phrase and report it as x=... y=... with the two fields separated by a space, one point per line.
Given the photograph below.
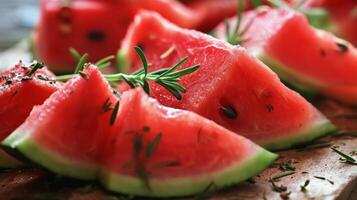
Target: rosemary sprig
x=317 y=17
x=256 y=3
x=168 y=77
x=304 y=186
x=283 y=174
x=114 y=113
x=277 y=188
x=153 y=145
x=236 y=37
x=101 y=64
x=324 y=179
x=34 y=67
x=344 y=157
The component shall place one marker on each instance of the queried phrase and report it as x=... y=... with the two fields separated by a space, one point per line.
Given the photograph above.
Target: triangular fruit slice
x=342 y=16
x=65 y=133
x=20 y=91
x=212 y=12
x=231 y=87
x=93 y=27
x=164 y=152
x=148 y=150
x=309 y=59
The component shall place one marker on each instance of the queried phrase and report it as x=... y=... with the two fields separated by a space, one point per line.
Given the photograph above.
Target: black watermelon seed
x=229 y=112
x=96 y=35
x=322 y=53
x=342 y=47
x=270 y=108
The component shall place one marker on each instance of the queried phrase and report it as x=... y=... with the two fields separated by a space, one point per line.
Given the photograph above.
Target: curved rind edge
x=306 y=87
x=179 y=187
x=50 y=160
x=319 y=130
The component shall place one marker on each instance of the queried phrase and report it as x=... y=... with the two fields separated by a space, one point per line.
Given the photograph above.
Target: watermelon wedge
x=343 y=17
x=231 y=87
x=149 y=149
x=19 y=93
x=66 y=131
x=171 y=163
x=93 y=27
x=309 y=59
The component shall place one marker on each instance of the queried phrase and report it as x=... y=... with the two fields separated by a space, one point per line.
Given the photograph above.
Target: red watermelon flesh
x=65 y=133
x=191 y=154
x=19 y=93
x=70 y=134
x=343 y=17
x=93 y=27
x=308 y=58
x=231 y=87
x=213 y=11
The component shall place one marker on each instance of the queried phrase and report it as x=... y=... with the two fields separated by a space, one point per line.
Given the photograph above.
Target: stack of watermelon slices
x=312 y=60
x=96 y=27
x=142 y=152
x=228 y=88
x=342 y=17
x=136 y=145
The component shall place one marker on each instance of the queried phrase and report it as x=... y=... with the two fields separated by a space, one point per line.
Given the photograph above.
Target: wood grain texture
x=308 y=163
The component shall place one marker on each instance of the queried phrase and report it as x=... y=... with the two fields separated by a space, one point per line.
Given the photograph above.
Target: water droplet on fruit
x=229 y=112
x=96 y=35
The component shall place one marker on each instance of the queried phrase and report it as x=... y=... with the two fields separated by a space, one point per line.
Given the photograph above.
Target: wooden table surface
x=310 y=163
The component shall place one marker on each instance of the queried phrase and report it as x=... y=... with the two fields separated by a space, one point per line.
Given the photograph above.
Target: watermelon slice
x=343 y=17
x=19 y=93
x=156 y=160
x=68 y=145
x=212 y=12
x=231 y=87
x=316 y=69
x=84 y=145
x=93 y=27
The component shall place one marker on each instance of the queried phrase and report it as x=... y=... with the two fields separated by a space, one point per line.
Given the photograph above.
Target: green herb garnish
x=304 y=186
x=168 y=77
x=34 y=67
x=344 y=157
x=317 y=17
x=283 y=174
x=153 y=145
x=324 y=179
x=277 y=188
x=257 y=3
x=236 y=37
x=114 y=113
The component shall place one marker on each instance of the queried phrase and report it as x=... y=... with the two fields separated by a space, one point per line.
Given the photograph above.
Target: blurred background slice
x=17 y=18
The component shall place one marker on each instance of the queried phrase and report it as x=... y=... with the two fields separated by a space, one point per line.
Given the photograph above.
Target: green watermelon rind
x=240 y=171
x=306 y=86
x=50 y=160
x=319 y=130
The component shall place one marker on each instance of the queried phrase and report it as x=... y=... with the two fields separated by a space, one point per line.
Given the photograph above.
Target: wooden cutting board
x=328 y=177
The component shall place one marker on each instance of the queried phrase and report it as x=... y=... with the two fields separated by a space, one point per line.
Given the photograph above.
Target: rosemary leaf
x=114 y=113
x=153 y=145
